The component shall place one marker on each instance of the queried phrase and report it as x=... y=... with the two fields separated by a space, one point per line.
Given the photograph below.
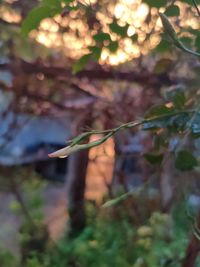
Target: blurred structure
x=26 y=140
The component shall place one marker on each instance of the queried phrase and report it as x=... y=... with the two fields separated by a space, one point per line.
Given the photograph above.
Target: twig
x=77 y=144
x=196 y=6
x=19 y=198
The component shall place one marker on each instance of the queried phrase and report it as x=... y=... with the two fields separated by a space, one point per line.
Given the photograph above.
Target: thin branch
x=77 y=145
x=19 y=198
x=196 y=6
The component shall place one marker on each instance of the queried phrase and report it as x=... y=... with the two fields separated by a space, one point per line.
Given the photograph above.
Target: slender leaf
x=172 y=34
x=158 y=110
x=96 y=52
x=81 y=63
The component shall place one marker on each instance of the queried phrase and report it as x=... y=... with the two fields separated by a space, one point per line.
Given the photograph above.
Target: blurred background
x=67 y=67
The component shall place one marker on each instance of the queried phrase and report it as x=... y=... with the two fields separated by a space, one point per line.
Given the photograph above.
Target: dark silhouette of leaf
x=155 y=159
x=153 y=3
x=185 y=161
x=172 y=11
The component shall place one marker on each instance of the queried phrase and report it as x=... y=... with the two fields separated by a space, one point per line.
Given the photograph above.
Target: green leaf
x=169 y=28
x=81 y=63
x=158 y=110
x=163 y=46
x=113 y=46
x=172 y=34
x=179 y=100
x=179 y=122
x=156 y=3
x=186 y=40
x=101 y=37
x=35 y=16
x=157 y=123
x=155 y=159
x=81 y=137
x=120 y=30
x=195 y=32
x=134 y=37
x=173 y=122
x=154 y=125
x=96 y=52
x=185 y=161
x=172 y=11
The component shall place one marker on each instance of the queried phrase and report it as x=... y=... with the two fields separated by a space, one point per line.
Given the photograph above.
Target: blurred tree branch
x=98 y=73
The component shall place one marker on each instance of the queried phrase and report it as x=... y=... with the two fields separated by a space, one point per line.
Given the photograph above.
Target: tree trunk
x=76 y=182
x=118 y=180
x=76 y=189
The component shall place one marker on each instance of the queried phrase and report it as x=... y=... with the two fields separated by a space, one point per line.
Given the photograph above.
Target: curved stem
x=196 y=6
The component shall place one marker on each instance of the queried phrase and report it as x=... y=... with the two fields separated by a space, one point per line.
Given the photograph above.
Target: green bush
x=7 y=259
x=113 y=240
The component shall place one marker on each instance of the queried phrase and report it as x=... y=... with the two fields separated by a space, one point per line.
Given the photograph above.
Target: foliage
x=103 y=39
x=7 y=259
x=31 y=193
x=176 y=118
x=116 y=241
x=111 y=238
x=174 y=38
x=33 y=234
x=45 y=10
